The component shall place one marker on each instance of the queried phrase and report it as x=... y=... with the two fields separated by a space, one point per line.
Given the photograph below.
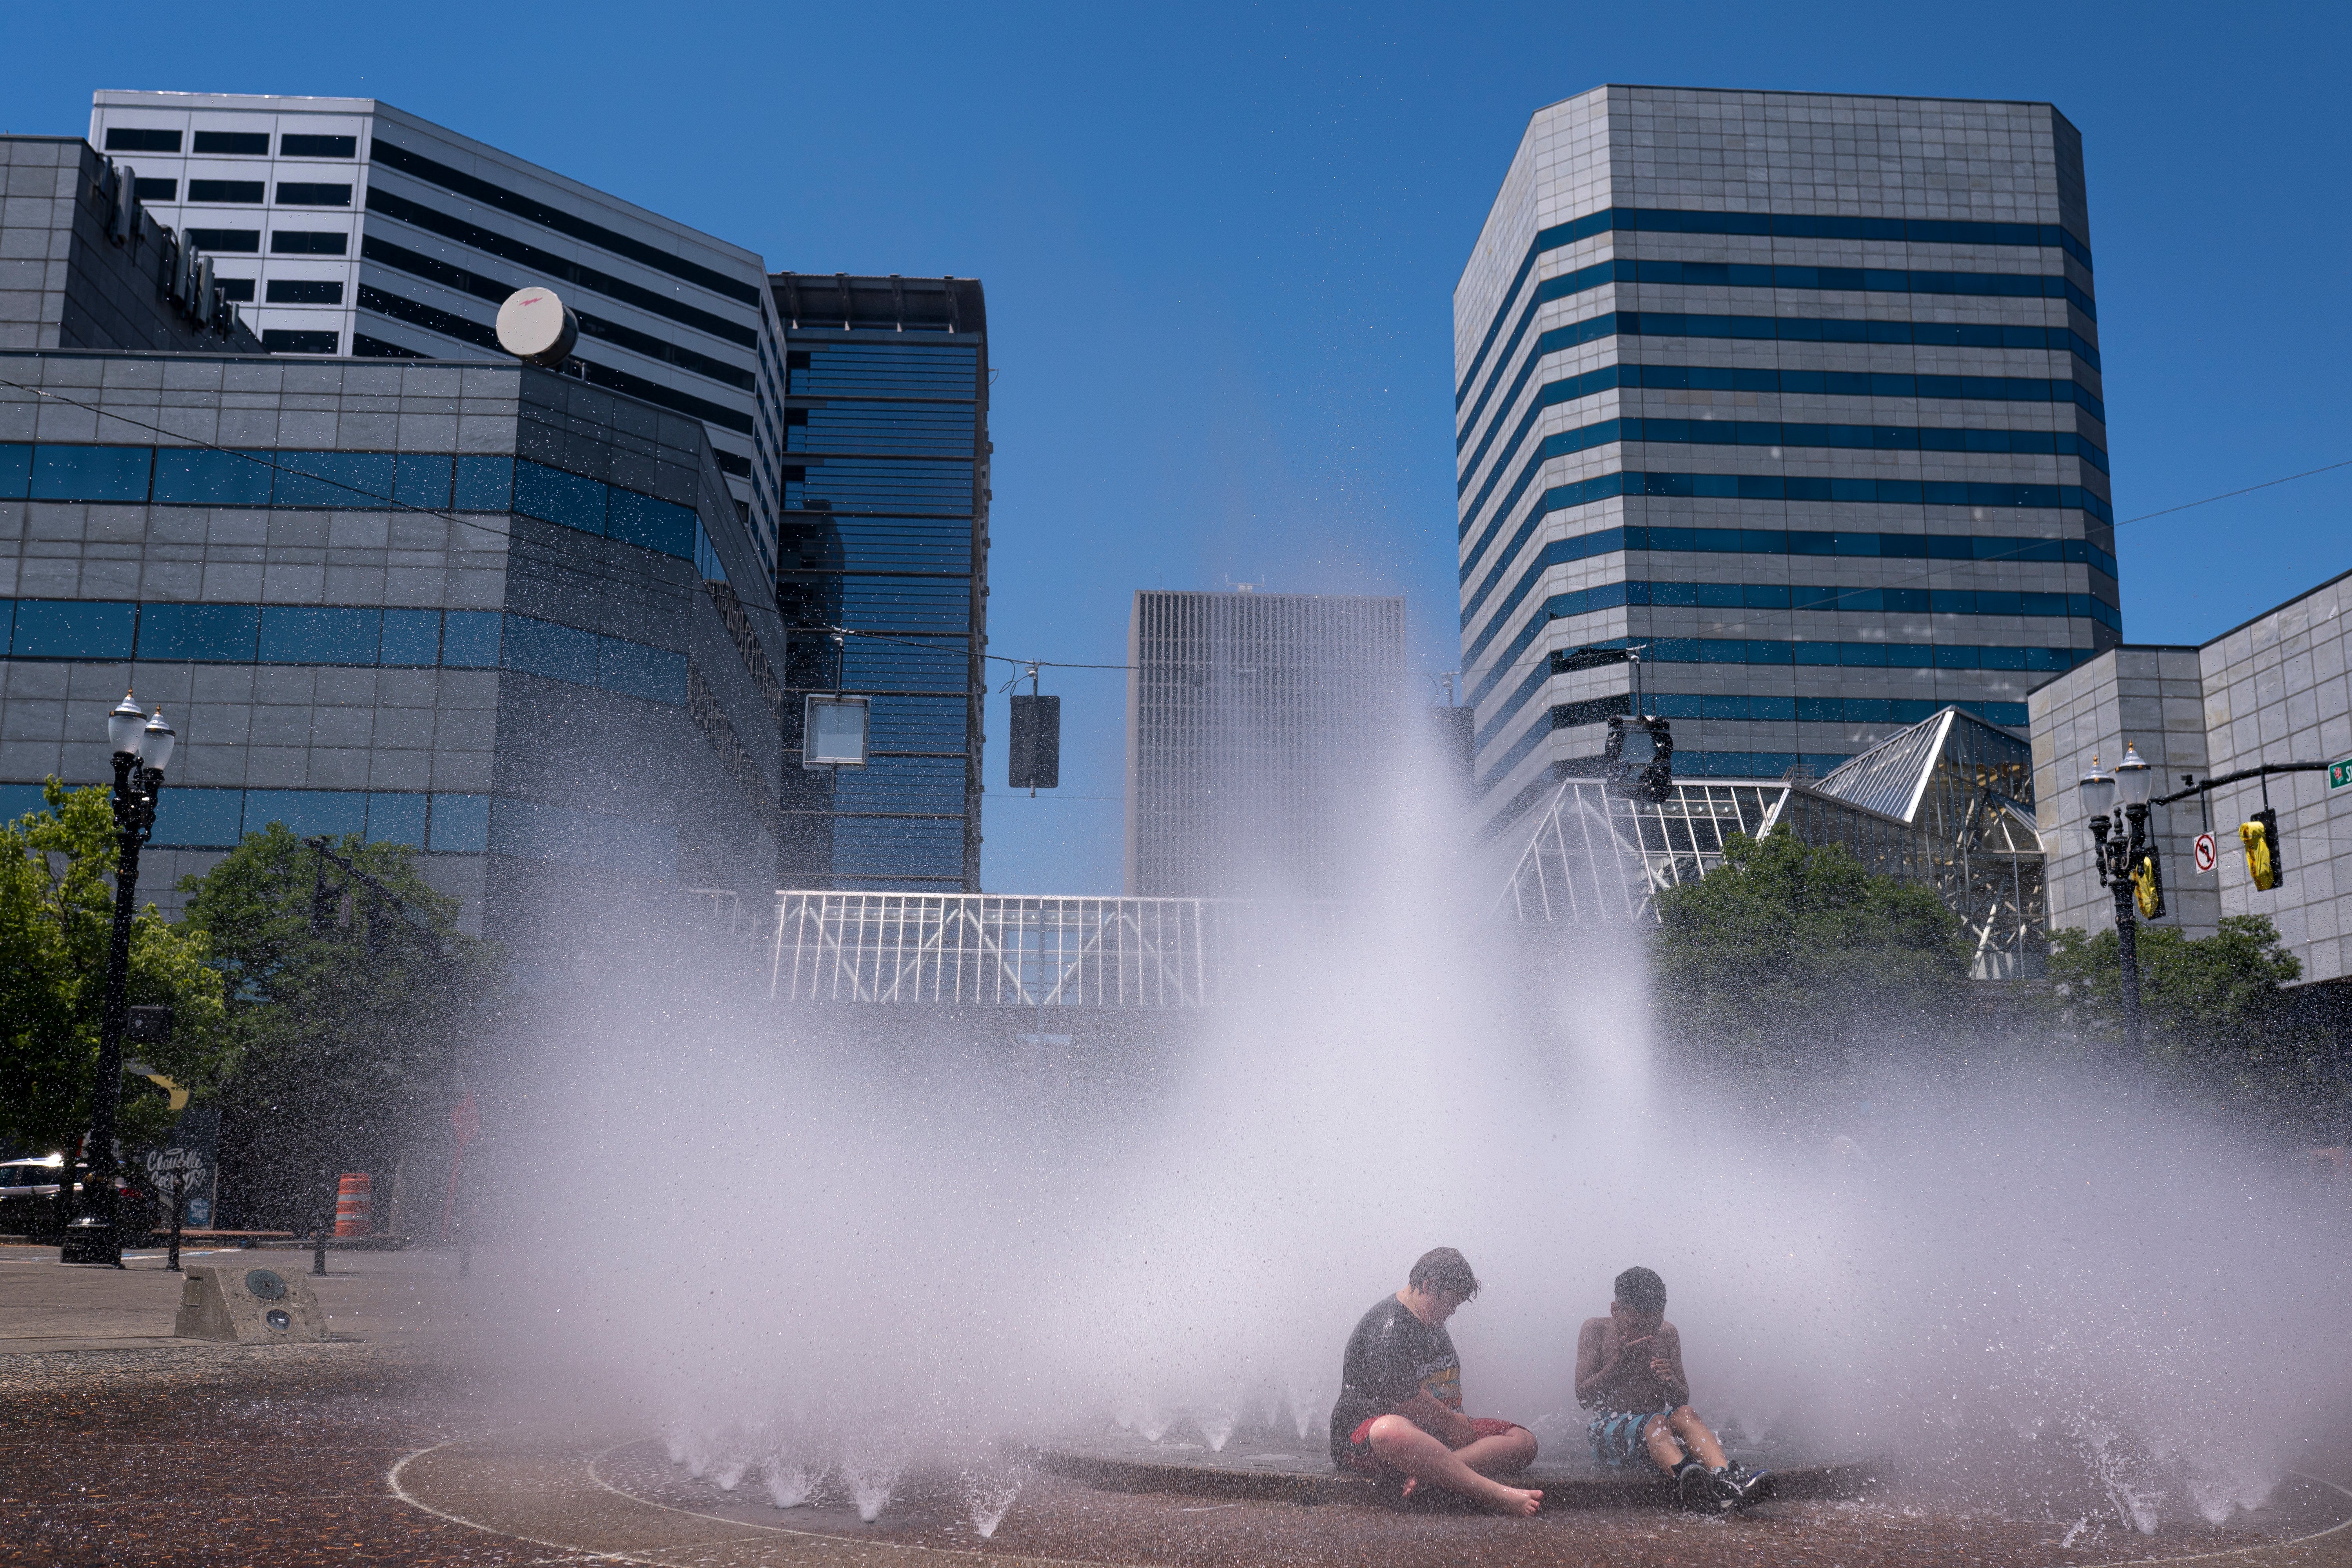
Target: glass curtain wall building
x=343 y=226
x=1262 y=730
x=881 y=483
x=1800 y=395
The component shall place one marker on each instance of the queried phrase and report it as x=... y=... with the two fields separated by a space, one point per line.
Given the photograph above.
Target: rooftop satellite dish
x=537 y=327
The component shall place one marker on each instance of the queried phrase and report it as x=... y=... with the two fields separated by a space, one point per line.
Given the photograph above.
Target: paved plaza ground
x=121 y=1446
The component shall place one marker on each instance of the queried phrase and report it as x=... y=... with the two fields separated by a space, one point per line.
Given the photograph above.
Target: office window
x=421 y=479
x=293 y=195
x=307 y=242
x=558 y=497
x=279 y=341
x=294 y=634
x=158 y=190
x=395 y=818
x=198 y=818
x=91 y=473
x=303 y=291
x=202 y=634
x=483 y=484
x=461 y=824
x=411 y=637
x=655 y=524
x=291 y=145
x=237 y=288
x=543 y=647
x=348 y=481
x=636 y=671
x=186 y=476
x=72 y=629
x=15 y=469
x=469 y=639
x=234 y=144
x=141 y=139
x=225 y=189
x=225 y=241
x=306 y=813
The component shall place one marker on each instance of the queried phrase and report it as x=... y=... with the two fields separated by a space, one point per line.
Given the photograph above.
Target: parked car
x=28 y=1192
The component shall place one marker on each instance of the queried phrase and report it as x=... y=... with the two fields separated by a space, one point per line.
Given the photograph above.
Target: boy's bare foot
x=1517 y=1503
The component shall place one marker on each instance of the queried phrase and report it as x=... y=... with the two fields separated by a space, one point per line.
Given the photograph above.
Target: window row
x=114 y=631
x=1852 y=279
x=913 y=369
x=1786 y=329
x=1806 y=542
x=231 y=144
x=1783 y=225
x=282 y=241
x=562 y=269
x=1737 y=650
x=346 y=481
x=912 y=429
x=1823 y=383
x=884 y=487
x=244 y=192
x=198 y=817
x=1776 y=434
x=1757 y=709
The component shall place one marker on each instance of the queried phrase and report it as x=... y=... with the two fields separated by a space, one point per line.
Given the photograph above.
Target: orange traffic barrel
x=352 y=1202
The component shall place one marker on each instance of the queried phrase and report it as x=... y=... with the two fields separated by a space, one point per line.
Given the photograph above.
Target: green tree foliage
x=348 y=1011
x=2213 y=1009
x=57 y=918
x=1789 y=956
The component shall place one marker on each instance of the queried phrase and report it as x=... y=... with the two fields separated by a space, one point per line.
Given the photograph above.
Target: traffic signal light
x=2263 y=862
x=2148 y=886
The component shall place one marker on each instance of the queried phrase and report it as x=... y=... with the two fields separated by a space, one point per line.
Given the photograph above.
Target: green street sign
x=2339 y=773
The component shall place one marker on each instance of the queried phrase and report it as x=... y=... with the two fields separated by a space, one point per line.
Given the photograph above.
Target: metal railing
x=981 y=949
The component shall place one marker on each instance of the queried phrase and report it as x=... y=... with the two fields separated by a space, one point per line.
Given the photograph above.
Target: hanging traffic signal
x=2148 y=886
x=2263 y=862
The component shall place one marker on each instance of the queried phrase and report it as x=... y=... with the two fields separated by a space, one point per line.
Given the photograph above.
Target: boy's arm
x=1589 y=1378
x=1425 y=1411
x=1669 y=1364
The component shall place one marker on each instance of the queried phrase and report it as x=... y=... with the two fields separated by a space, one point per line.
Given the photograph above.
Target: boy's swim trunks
x=1617 y=1435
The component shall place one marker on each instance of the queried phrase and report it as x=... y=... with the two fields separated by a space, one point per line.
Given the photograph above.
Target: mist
x=818 y=1248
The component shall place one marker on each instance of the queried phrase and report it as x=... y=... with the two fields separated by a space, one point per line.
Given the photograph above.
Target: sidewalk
x=383 y=1298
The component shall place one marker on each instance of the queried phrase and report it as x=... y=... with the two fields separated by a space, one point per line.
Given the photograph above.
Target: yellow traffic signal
x=2149 y=890
x=2260 y=838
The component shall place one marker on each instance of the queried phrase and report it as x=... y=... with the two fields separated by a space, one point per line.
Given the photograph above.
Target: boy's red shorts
x=1361 y=1458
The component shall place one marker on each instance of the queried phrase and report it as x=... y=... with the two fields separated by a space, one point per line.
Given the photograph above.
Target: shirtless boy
x=1629 y=1368
x=1400 y=1409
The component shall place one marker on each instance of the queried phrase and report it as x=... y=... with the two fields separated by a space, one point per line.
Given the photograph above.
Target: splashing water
x=988 y=1498
x=1217 y=1429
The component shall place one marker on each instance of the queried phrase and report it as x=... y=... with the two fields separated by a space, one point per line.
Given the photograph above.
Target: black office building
x=882 y=571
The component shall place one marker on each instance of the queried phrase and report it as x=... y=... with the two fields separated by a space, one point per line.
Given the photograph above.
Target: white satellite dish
x=537 y=327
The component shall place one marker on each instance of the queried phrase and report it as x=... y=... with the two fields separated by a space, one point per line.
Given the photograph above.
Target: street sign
x=2208 y=857
x=2339 y=773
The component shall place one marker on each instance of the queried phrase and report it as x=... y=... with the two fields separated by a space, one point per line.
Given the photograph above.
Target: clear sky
x=1219 y=243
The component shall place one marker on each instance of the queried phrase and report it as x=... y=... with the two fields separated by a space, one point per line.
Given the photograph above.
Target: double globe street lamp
x=143 y=745
x=2125 y=855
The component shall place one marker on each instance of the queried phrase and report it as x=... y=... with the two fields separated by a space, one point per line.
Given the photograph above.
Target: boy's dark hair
x=1443 y=1269
x=1642 y=1289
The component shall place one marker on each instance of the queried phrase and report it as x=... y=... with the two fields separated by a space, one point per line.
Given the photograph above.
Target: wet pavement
x=120 y=1445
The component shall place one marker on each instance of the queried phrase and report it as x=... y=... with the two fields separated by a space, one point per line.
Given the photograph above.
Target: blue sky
x=1220 y=245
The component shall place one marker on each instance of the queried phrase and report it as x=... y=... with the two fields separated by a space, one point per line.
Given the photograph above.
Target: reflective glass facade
x=873 y=454
x=1738 y=387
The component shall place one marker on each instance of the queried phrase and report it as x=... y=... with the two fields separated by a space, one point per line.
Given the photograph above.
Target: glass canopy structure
x=1947 y=803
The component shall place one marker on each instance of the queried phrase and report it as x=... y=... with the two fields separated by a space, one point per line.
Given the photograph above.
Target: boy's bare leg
x=1506 y=1454
x=1425 y=1459
x=1666 y=1450
x=1696 y=1437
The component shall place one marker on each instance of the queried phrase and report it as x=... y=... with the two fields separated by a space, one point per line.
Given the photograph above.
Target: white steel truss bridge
x=983 y=950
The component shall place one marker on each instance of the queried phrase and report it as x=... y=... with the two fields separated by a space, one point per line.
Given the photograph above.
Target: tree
x=348 y=1006
x=57 y=918
x=2214 y=1010
x=1789 y=955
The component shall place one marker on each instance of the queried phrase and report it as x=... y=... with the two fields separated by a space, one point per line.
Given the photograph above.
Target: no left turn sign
x=2207 y=857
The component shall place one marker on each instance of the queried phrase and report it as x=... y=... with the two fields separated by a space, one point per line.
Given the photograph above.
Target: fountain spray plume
x=869 y=1240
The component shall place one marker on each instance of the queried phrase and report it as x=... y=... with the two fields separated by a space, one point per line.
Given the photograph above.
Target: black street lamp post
x=2119 y=849
x=141 y=746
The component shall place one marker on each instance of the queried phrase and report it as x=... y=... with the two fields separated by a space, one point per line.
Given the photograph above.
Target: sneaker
x=1697 y=1488
x=1746 y=1486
